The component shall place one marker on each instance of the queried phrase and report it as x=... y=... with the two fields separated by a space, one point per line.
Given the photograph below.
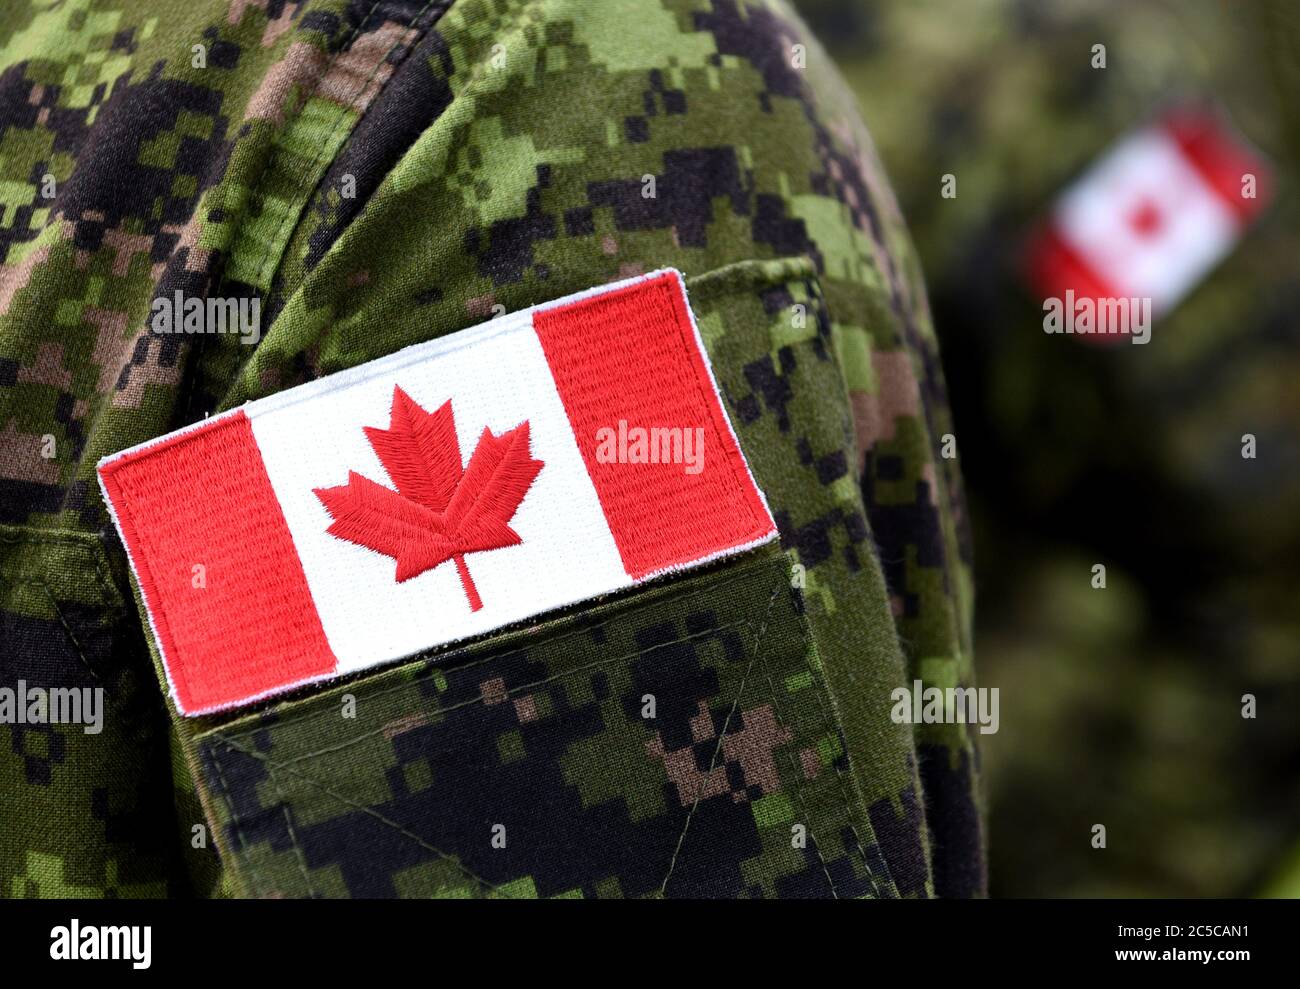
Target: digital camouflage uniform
x=384 y=173
x=1123 y=706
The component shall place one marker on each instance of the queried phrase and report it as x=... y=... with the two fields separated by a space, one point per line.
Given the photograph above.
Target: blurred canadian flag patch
x=535 y=461
x=1153 y=215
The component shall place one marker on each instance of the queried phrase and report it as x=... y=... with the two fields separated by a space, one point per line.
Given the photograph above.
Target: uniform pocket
x=83 y=759
x=719 y=733
x=676 y=742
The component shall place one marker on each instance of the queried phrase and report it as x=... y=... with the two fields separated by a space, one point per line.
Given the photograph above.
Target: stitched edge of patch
x=154 y=609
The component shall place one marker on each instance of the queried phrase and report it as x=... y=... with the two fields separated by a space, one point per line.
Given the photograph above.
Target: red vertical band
x=1221 y=159
x=245 y=623
x=630 y=359
x=1054 y=268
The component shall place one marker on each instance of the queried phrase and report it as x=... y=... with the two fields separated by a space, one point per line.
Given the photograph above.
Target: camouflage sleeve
x=379 y=174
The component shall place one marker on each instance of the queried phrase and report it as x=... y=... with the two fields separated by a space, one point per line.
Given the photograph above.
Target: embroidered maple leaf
x=440 y=510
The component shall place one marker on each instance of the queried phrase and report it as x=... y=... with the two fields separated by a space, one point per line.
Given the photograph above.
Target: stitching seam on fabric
x=229 y=801
x=273 y=158
x=114 y=597
x=829 y=725
x=110 y=596
x=802 y=267
x=272 y=765
x=186 y=400
x=796 y=771
x=76 y=646
x=519 y=688
x=312 y=756
x=20 y=540
x=740 y=691
x=416 y=34
x=527 y=18
x=695 y=593
x=298 y=855
x=287 y=766
x=160 y=619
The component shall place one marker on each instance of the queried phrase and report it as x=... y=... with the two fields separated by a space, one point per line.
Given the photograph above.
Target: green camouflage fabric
x=1121 y=707
x=378 y=174
x=699 y=800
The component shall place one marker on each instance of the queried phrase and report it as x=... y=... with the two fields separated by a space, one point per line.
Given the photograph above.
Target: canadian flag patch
x=1153 y=215
x=542 y=459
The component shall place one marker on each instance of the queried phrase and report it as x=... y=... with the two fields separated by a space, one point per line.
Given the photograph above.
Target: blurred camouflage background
x=1121 y=706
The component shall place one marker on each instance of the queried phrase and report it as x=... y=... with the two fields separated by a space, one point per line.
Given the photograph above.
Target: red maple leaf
x=440 y=510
